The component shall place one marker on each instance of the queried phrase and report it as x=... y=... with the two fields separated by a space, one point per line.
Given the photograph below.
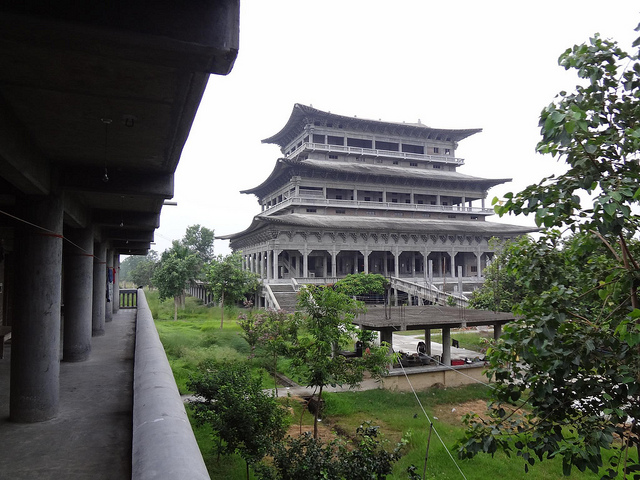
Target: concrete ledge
x=164 y=446
x=425 y=377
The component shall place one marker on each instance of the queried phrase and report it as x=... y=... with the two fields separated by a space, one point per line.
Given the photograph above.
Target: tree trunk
x=275 y=372
x=316 y=414
x=176 y=300
x=222 y=310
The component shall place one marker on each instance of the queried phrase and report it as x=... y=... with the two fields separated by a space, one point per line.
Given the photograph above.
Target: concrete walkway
x=91 y=436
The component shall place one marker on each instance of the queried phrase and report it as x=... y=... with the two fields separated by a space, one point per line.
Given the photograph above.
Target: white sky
x=454 y=64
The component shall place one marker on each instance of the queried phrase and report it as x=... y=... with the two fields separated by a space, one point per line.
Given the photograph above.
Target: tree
x=362 y=284
x=229 y=282
x=501 y=290
x=200 y=241
x=327 y=318
x=142 y=273
x=172 y=275
x=271 y=334
x=137 y=262
x=573 y=358
x=245 y=419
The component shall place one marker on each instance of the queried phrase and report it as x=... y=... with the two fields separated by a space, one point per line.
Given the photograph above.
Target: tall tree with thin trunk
x=570 y=367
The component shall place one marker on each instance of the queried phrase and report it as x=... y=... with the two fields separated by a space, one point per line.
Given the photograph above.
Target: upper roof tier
x=304 y=116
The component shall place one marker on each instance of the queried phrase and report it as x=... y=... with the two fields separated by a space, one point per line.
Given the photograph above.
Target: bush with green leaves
x=310 y=458
x=245 y=419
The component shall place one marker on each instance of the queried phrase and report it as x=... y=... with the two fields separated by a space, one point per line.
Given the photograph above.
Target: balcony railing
x=372 y=152
x=313 y=200
x=128 y=298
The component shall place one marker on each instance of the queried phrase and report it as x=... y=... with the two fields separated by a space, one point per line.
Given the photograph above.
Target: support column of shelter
x=427 y=340
x=108 y=306
x=99 y=296
x=78 y=295
x=446 y=346
x=35 y=352
x=497 y=331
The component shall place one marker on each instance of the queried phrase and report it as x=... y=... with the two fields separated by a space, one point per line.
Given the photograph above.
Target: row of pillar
x=265 y=263
x=40 y=259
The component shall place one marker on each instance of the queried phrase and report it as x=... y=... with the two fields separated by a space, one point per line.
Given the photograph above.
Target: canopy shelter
x=387 y=320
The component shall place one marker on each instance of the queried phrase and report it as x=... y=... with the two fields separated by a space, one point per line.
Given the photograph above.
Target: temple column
x=366 y=261
x=305 y=264
x=334 y=264
x=35 y=344
x=78 y=295
x=269 y=265
x=276 y=255
x=479 y=264
x=396 y=261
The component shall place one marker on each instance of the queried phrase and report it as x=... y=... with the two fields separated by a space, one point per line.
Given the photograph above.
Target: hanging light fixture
x=107 y=122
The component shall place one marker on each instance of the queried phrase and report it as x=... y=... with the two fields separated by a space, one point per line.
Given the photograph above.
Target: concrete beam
x=21 y=163
x=128 y=234
x=120 y=183
x=140 y=220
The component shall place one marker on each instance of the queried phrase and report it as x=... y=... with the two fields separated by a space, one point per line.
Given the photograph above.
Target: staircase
x=286 y=296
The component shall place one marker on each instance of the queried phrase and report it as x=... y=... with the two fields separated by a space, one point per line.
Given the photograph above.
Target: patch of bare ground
x=453 y=413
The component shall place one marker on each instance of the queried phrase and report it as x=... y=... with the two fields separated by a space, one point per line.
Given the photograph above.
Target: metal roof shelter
x=388 y=319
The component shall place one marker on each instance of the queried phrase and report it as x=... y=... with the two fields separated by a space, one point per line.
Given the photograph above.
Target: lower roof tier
x=378 y=225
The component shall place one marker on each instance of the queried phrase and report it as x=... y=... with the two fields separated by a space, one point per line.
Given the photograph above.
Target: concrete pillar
x=366 y=261
x=99 y=289
x=396 y=263
x=108 y=306
x=497 y=331
x=386 y=335
x=35 y=343
x=269 y=265
x=116 y=283
x=355 y=262
x=274 y=263
x=479 y=264
x=385 y=261
x=305 y=264
x=446 y=346
x=427 y=340
x=334 y=267
x=453 y=263
x=78 y=295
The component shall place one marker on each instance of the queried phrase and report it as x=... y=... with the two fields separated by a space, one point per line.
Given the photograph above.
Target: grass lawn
x=197 y=336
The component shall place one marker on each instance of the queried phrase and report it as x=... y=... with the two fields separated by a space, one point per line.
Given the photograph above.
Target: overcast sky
x=456 y=64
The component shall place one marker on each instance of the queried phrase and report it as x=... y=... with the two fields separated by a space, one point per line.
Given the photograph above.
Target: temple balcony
x=318 y=201
x=370 y=152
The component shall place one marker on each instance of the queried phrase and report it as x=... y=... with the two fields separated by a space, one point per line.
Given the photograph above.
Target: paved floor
x=91 y=436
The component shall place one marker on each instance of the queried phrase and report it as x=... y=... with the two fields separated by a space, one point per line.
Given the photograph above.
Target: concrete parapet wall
x=164 y=446
x=425 y=377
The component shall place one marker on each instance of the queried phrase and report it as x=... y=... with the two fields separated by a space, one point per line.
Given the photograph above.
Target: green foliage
x=362 y=284
x=139 y=269
x=572 y=359
x=172 y=274
x=501 y=290
x=229 y=282
x=270 y=334
x=307 y=457
x=200 y=241
x=327 y=317
x=245 y=419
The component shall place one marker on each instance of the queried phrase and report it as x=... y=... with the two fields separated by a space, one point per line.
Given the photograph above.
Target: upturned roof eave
x=300 y=112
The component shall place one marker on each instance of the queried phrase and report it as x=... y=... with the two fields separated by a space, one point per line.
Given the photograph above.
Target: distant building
x=354 y=195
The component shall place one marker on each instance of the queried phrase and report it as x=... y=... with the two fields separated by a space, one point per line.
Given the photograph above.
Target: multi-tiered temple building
x=354 y=195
